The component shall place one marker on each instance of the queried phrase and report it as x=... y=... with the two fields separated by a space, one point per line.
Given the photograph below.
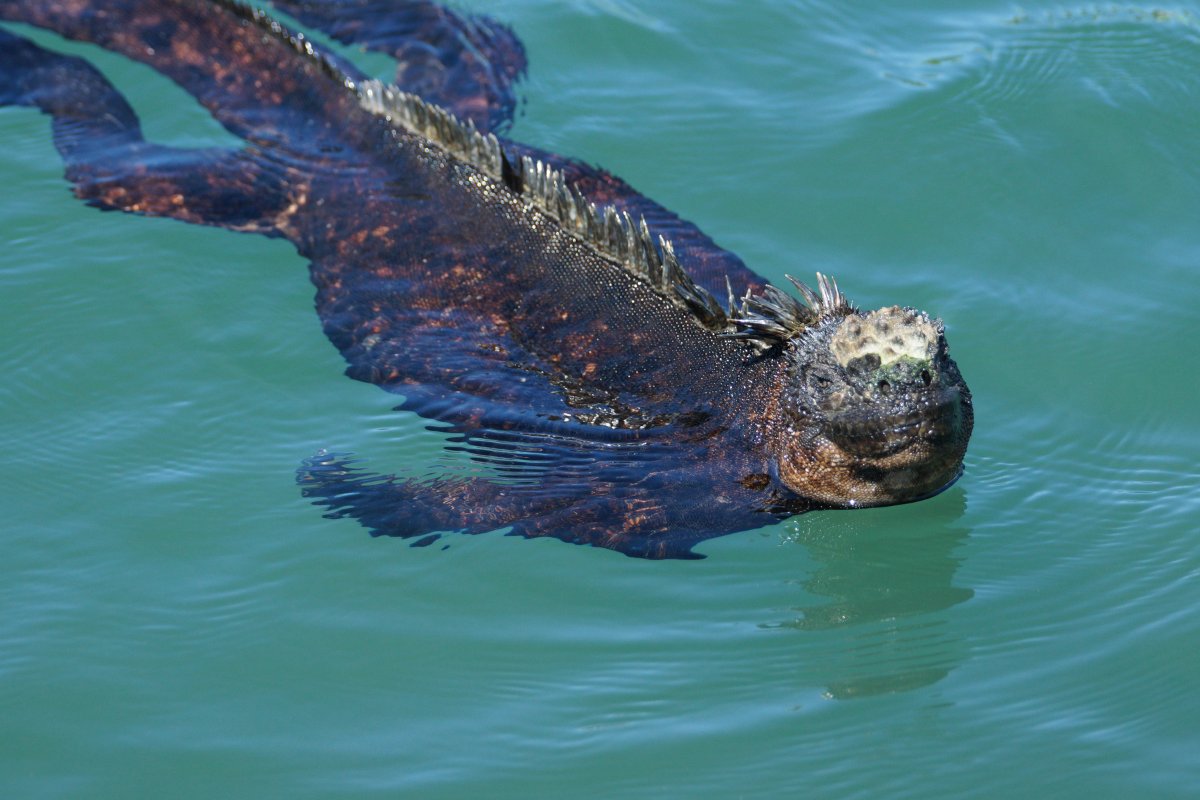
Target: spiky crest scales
x=763 y=322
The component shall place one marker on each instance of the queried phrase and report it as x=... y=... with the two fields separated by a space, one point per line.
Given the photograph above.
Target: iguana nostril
x=925 y=376
x=884 y=387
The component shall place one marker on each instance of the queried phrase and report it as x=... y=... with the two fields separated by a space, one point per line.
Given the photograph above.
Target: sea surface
x=176 y=621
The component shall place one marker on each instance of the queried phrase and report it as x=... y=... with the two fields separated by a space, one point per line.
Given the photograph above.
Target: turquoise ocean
x=176 y=621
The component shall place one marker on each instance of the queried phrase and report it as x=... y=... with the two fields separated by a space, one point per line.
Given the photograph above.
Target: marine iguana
x=564 y=328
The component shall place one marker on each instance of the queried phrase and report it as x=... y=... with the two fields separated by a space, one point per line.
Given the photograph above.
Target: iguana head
x=883 y=412
x=872 y=410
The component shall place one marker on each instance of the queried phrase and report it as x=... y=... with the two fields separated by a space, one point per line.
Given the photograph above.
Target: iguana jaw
x=882 y=459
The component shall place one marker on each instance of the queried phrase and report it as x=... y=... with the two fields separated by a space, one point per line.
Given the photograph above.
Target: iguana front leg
x=628 y=519
x=114 y=168
x=657 y=508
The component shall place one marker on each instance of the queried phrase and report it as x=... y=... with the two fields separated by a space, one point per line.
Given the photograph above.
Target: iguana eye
x=818 y=380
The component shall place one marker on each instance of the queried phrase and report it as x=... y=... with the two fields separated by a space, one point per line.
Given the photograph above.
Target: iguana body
x=561 y=324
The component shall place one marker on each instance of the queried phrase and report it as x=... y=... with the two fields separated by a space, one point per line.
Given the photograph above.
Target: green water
x=177 y=622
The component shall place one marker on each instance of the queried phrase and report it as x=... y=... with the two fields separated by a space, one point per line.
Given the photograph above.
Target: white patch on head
x=890 y=333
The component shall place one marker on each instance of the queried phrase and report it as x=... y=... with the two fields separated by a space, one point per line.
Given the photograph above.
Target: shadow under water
x=887 y=573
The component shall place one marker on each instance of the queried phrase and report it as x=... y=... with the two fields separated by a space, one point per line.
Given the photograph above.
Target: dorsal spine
x=612 y=233
x=762 y=322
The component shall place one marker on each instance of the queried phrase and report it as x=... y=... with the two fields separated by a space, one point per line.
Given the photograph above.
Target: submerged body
x=563 y=326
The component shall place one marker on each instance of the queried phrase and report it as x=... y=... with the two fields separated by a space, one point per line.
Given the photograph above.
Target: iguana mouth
x=930 y=418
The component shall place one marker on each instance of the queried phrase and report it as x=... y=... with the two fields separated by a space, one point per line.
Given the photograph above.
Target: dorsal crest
x=763 y=322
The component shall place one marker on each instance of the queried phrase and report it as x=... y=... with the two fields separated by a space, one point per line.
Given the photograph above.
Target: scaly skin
x=611 y=413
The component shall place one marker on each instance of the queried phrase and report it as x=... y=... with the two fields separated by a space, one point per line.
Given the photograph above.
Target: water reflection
x=886 y=573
